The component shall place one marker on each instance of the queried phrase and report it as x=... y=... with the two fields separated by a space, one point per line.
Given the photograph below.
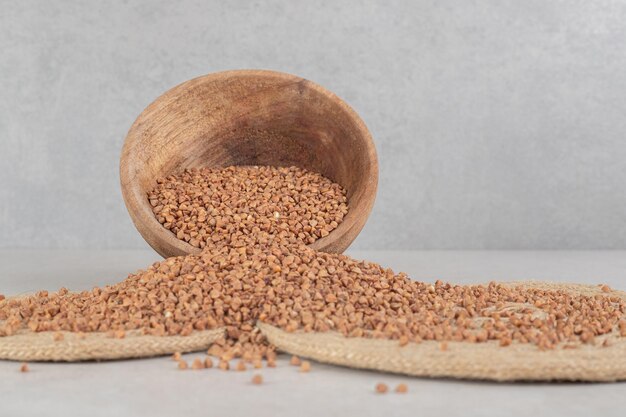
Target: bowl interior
x=248 y=118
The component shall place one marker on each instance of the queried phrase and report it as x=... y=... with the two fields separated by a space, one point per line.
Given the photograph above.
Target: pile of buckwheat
x=296 y=288
x=258 y=268
x=209 y=205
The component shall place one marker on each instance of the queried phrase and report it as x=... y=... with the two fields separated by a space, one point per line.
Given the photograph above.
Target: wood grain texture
x=248 y=117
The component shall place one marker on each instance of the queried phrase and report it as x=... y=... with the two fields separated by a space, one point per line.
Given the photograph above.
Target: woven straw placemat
x=29 y=346
x=487 y=361
x=460 y=359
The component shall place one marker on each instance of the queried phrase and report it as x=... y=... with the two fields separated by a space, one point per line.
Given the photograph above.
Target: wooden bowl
x=248 y=117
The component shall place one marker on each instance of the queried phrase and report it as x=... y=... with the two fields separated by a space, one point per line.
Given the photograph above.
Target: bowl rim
x=167 y=244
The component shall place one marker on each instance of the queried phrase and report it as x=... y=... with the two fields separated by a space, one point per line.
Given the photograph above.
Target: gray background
x=499 y=124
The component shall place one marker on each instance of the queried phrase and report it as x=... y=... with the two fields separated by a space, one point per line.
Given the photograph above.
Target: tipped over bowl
x=248 y=117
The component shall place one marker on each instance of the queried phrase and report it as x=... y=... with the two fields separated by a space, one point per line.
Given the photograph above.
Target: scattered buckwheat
x=267 y=279
x=24 y=367
x=305 y=366
x=208 y=363
x=402 y=389
x=197 y=364
x=257 y=379
x=381 y=388
x=253 y=225
x=224 y=365
x=176 y=356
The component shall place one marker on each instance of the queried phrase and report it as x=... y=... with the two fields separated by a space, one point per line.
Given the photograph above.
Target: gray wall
x=499 y=124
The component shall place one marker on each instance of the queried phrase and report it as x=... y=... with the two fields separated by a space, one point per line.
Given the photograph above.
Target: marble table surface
x=154 y=387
